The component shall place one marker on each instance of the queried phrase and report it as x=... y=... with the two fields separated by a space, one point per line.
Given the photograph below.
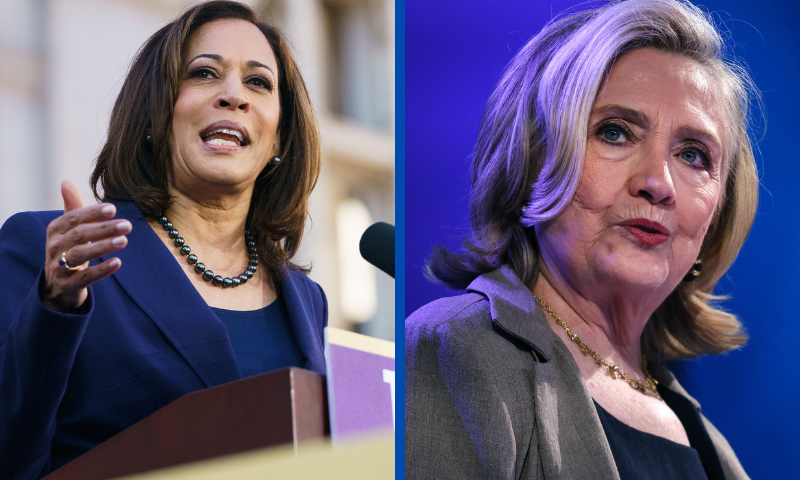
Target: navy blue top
x=262 y=339
x=640 y=455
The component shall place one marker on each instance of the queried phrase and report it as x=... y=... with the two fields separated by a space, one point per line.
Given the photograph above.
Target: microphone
x=377 y=246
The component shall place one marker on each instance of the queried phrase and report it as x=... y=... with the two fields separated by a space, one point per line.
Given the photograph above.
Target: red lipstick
x=646 y=231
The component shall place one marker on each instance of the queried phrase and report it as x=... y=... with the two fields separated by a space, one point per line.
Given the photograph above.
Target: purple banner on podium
x=360 y=384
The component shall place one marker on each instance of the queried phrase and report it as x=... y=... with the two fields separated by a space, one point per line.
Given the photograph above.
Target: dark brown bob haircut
x=132 y=168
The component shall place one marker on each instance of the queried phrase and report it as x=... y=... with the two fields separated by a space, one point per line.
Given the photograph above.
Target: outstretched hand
x=85 y=234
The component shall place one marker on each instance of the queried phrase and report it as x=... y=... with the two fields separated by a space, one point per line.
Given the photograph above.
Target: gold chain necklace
x=648 y=387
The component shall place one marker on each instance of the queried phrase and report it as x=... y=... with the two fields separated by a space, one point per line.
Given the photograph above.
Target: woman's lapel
x=153 y=279
x=303 y=307
x=572 y=443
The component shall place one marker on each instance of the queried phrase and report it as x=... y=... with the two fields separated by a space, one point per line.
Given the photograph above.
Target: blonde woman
x=613 y=184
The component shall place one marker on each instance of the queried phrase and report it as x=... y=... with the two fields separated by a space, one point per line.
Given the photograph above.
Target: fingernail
x=117 y=241
x=108 y=210
x=123 y=226
x=115 y=262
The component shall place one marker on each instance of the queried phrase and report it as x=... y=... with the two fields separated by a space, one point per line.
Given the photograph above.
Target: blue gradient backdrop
x=455 y=52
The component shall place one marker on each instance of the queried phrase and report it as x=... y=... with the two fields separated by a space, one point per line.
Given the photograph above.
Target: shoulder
x=299 y=281
x=460 y=326
x=468 y=393
x=448 y=331
x=30 y=221
x=305 y=295
x=727 y=458
x=448 y=308
x=445 y=316
x=465 y=318
x=25 y=232
x=459 y=337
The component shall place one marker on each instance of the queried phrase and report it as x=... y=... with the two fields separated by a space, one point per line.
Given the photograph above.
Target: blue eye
x=613 y=134
x=694 y=156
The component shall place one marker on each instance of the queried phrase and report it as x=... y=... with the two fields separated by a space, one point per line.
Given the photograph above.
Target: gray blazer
x=492 y=392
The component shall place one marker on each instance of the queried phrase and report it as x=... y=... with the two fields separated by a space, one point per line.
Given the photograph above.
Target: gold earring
x=695 y=272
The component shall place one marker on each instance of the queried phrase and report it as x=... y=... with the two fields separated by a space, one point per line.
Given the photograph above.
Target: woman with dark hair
x=181 y=278
x=613 y=184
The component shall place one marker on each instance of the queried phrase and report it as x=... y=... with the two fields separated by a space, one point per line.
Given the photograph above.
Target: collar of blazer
x=572 y=443
x=167 y=296
x=515 y=311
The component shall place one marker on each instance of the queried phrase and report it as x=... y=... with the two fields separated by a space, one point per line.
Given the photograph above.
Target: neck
x=213 y=228
x=611 y=325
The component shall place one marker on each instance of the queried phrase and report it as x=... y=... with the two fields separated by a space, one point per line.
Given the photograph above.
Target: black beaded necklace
x=208 y=275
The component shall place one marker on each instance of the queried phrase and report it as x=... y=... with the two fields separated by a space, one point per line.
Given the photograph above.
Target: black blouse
x=640 y=455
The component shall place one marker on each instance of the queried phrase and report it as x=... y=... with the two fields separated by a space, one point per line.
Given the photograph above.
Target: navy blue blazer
x=70 y=381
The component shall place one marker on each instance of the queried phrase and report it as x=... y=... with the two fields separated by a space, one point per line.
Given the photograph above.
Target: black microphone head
x=377 y=246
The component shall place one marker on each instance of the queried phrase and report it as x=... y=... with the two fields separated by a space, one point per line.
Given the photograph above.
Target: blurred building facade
x=64 y=61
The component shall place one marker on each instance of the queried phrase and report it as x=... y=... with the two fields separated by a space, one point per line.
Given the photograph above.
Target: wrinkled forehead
x=666 y=87
x=674 y=91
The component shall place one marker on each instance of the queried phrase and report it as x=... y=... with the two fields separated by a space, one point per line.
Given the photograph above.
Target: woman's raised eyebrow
x=214 y=56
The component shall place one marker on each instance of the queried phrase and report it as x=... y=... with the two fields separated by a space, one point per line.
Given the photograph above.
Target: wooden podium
x=282 y=407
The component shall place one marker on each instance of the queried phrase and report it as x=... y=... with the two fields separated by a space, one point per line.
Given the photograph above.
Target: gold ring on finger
x=63 y=262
